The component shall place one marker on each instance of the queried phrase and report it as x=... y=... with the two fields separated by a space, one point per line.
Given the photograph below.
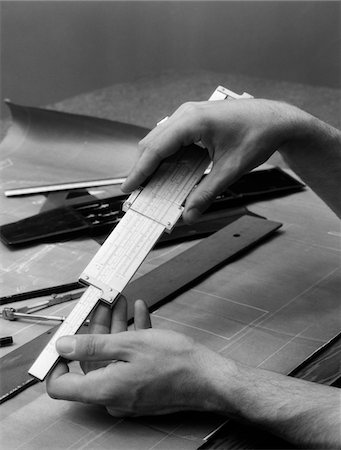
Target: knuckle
x=189 y=108
x=149 y=148
x=142 y=145
x=207 y=196
x=90 y=345
x=196 y=115
x=102 y=394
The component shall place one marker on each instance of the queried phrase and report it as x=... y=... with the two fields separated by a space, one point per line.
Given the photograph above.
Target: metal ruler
x=149 y=212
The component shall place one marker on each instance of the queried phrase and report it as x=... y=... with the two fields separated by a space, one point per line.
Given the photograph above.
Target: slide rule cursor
x=149 y=212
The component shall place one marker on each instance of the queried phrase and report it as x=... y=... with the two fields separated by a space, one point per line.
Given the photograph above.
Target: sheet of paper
x=45 y=146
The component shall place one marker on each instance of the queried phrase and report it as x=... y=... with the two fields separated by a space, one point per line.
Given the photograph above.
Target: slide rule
x=149 y=212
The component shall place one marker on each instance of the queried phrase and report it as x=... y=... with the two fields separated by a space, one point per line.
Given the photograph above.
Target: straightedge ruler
x=149 y=212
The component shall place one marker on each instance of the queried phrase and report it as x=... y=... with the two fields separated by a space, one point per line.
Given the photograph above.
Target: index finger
x=99 y=347
x=164 y=140
x=107 y=319
x=100 y=319
x=145 y=166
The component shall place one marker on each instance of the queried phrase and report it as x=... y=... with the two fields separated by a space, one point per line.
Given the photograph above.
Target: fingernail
x=192 y=215
x=66 y=345
x=123 y=188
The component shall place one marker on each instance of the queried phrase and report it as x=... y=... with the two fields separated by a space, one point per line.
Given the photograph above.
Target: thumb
x=204 y=195
x=98 y=347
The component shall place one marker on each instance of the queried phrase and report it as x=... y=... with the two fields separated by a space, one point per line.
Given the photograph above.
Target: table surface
x=271 y=308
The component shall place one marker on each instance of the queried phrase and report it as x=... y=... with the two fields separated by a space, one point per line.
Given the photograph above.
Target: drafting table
x=264 y=309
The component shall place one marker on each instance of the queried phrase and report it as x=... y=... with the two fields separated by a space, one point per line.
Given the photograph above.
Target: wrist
x=218 y=381
x=293 y=124
x=305 y=131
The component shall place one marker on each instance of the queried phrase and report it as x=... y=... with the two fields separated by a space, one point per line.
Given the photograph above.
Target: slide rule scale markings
x=122 y=253
x=165 y=193
x=149 y=212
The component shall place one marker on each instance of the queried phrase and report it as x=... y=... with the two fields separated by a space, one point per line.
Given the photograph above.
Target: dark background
x=51 y=50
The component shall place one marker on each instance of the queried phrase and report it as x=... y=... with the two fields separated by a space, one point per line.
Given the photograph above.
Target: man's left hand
x=132 y=373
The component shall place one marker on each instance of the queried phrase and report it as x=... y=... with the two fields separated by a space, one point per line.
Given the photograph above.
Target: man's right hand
x=239 y=136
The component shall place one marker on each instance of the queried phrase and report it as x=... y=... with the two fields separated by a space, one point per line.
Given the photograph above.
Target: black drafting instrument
x=53 y=291
x=28 y=312
x=54 y=300
x=5 y=341
x=97 y=217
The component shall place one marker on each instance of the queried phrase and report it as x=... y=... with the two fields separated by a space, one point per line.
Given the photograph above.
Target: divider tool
x=149 y=212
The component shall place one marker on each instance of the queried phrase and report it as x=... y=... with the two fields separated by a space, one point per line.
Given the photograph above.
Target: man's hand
x=147 y=371
x=239 y=136
x=132 y=373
